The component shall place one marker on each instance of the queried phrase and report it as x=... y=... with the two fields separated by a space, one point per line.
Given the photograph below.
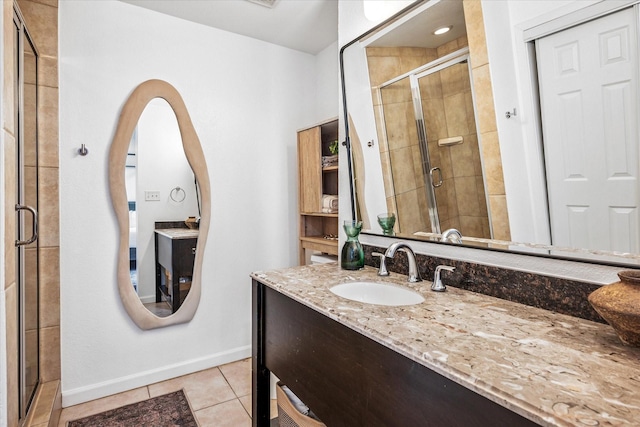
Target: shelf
x=319 y=239
x=320 y=244
x=325 y=215
x=314 y=181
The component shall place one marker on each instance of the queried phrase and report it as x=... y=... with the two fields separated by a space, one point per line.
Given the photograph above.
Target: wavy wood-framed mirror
x=129 y=116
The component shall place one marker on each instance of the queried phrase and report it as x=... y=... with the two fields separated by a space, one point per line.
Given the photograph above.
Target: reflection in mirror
x=430 y=106
x=157 y=166
x=161 y=196
x=413 y=115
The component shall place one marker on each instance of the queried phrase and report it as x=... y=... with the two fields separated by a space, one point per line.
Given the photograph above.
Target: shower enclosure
x=429 y=143
x=27 y=249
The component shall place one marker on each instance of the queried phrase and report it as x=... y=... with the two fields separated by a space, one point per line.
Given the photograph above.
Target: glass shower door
x=405 y=165
x=445 y=110
x=430 y=150
x=27 y=249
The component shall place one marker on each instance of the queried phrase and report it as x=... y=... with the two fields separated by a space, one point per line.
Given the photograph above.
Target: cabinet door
x=310 y=170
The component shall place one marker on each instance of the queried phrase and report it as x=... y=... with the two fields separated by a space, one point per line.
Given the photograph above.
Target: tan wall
x=41 y=18
x=487 y=119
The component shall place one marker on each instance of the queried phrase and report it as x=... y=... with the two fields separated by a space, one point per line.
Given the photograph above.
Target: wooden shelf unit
x=318 y=230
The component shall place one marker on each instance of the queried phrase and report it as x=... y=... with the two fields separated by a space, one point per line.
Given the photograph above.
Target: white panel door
x=589 y=97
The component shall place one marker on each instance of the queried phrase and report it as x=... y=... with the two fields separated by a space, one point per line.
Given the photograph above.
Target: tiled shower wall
x=448 y=103
x=41 y=17
x=401 y=146
x=486 y=117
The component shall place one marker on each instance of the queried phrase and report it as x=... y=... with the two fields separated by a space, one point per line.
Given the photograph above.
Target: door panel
x=589 y=98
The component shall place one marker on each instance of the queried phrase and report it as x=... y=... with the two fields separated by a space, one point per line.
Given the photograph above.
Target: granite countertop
x=178 y=233
x=551 y=368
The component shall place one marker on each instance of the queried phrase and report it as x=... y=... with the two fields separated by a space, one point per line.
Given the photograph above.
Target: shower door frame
x=26 y=396
x=414 y=75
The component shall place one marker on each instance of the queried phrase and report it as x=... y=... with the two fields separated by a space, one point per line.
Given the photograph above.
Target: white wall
x=352 y=23
x=246 y=99
x=327 y=83
x=510 y=65
x=363 y=124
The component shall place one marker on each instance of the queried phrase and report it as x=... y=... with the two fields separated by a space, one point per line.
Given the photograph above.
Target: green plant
x=333 y=147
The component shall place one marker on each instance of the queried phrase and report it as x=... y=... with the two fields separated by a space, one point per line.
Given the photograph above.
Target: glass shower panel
x=400 y=152
x=27 y=249
x=446 y=101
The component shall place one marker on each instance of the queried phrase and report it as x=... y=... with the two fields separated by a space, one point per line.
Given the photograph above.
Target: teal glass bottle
x=352 y=257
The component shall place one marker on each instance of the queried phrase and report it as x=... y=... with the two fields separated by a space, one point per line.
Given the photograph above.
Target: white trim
x=141 y=379
x=569 y=18
x=147 y=299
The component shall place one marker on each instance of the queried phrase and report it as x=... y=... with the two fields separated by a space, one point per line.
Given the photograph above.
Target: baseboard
x=147 y=299
x=141 y=379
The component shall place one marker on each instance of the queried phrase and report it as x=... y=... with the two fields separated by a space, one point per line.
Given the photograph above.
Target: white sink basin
x=377 y=293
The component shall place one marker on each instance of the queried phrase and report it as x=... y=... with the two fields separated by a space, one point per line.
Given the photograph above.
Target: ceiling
x=305 y=25
x=416 y=28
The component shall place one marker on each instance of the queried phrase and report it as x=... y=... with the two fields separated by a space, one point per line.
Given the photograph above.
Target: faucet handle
x=382 y=271
x=437 y=284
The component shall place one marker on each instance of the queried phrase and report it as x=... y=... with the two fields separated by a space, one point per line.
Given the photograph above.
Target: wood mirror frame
x=127 y=122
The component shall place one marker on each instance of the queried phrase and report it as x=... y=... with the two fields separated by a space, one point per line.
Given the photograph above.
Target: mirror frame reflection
x=130 y=114
x=356 y=143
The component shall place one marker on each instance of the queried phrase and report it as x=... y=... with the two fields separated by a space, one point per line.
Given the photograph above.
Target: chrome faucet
x=382 y=271
x=451 y=235
x=411 y=256
x=437 y=284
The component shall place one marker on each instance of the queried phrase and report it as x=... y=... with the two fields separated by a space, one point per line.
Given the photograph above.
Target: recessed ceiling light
x=442 y=30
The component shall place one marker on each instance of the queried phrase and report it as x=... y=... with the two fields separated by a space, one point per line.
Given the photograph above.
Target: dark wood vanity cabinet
x=348 y=379
x=175 y=254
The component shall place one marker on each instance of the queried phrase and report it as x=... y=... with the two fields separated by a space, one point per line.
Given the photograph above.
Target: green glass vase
x=387 y=221
x=352 y=253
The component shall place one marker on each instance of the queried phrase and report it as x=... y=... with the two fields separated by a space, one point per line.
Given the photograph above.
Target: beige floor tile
x=227 y=414
x=246 y=403
x=238 y=374
x=204 y=388
x=101 y=405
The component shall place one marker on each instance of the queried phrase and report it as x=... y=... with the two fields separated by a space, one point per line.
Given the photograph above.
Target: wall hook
x=509 y=114
x=83 y=150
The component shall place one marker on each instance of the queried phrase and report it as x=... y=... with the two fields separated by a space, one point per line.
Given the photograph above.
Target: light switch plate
x=152 y=196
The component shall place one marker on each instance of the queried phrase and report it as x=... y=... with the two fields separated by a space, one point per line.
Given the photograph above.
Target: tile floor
x=219 y=397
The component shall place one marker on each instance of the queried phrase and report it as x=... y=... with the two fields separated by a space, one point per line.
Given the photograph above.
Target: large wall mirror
x=411 y=118
x=160 y=192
